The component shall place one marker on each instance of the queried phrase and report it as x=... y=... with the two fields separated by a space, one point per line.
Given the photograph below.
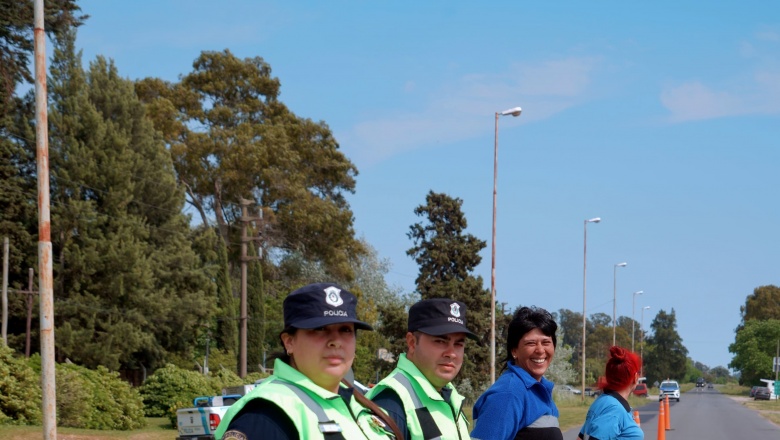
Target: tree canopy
x=665 y=356
x=232 y=139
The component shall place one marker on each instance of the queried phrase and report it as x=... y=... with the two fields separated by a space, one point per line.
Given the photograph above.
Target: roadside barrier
x=661 y=423
x=667 y=414
x=636 y=418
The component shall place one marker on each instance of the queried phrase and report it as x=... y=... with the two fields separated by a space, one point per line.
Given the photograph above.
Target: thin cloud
x=747 y=93
x=457 y=110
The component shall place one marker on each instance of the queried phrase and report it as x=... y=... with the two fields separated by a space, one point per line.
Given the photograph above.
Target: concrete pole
x=45 y=268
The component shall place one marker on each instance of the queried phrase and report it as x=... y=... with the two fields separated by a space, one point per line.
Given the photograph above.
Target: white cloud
x=754 y=91
x=458 y=110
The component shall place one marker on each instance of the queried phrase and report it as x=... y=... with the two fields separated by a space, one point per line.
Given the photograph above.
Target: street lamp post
x=633 y=320
x=614 y=297
x=514 y=112
x=584 y=294
x=642 y=341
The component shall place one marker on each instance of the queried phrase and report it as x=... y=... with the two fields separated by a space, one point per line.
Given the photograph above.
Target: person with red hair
x=610 y=416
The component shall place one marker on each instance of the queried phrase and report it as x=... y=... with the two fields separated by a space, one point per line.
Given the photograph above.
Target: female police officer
x=305 y=397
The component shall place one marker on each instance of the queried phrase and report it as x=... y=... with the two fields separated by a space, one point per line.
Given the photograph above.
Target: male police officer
x=418 y=393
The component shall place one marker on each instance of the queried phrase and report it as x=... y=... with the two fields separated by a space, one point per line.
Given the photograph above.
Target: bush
x=170 y=386
x=20 y=391
x=97 y=399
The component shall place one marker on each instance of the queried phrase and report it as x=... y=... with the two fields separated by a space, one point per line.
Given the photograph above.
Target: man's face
x=534 y=353
x=439 y=358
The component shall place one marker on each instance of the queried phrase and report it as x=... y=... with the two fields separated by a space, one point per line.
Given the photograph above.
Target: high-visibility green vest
x=313 y=410
x=428 y=416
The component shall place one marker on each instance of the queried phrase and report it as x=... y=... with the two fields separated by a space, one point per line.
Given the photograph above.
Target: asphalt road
x=703 y=414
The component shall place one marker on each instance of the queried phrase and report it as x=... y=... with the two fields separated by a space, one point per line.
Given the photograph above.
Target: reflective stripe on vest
x=430 y=430
x=329 y=428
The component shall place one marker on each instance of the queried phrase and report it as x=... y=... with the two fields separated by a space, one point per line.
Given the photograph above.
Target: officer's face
x=534 y=353
x=439 y=358
x=323 y=354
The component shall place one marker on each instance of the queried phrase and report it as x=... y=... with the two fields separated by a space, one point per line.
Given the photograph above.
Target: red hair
x=622 y=367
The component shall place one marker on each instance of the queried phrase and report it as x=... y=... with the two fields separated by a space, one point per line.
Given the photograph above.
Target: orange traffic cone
x=667 y=414
x=636 y=418
x=661 y=422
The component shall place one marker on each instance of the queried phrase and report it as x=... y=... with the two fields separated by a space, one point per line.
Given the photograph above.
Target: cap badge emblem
x=333 y=296
x=455 y=310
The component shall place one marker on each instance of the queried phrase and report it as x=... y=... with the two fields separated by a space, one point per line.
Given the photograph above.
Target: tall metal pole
x=584 y=294
x=642 y=341
x=45 y=268
x=633 y=313
x=614 y=298
x=493 y=261
x=514 y=112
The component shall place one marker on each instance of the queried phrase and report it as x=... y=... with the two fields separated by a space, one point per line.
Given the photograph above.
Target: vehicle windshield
x=669 y=386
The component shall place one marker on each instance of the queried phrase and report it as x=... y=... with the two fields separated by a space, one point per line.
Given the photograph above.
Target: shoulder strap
x=430 y=430
x=330 y=429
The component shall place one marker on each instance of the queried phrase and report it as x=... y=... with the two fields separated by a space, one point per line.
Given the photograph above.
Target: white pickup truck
x=201 y=421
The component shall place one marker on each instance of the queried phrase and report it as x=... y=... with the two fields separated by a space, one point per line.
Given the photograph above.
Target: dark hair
x=622 y=367
x=525 y=320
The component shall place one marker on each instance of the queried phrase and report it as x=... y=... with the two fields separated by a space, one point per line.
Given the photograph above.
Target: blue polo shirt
x=517 y=406
x=610 y=418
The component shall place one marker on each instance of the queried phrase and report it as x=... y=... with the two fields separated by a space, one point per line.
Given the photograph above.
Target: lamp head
x=512 y=111
x=593 y=220
x=645 y=307
x=639 y=292
x=623 y=264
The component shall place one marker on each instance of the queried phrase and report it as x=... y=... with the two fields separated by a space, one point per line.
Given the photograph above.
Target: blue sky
x=659 y=117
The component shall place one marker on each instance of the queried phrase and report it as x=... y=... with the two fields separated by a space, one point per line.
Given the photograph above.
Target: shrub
x=171 y=384
x=20 y=391
x=97 y=399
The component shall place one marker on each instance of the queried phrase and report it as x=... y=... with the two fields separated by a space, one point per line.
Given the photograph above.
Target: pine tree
x=129 y=288
x=447 y=257
x=665 y=356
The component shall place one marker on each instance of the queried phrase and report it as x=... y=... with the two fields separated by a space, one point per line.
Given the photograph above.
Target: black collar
x=619 y=398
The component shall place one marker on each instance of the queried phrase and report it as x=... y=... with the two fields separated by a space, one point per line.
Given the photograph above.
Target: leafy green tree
x=571 y=323
x=17 y=44
x=231 y=138
x=754 y=348
x=129 y=287
x=447 y=256
x=763 y=303
x=665 y=355
x=18 y=184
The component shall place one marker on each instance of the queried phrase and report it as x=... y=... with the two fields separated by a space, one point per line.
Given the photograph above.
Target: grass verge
x=157 y=428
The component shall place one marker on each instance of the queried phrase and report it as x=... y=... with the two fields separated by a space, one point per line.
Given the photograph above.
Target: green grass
x=157 y=428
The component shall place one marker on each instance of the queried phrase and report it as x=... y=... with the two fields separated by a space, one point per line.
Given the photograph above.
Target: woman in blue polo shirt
x=609 y=417
x=520 y=404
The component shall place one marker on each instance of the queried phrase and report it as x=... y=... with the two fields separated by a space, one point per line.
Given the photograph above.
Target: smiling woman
x=520 y=404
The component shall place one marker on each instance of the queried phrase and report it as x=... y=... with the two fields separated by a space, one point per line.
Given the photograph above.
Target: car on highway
x=640 y=390
x=762 y=393
x=700 y=382
x=669 y=388
x=592 y=391
x=568 y=389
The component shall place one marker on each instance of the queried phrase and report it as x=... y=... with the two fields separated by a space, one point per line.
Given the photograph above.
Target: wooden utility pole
x=245 y=220
x=30 y=301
